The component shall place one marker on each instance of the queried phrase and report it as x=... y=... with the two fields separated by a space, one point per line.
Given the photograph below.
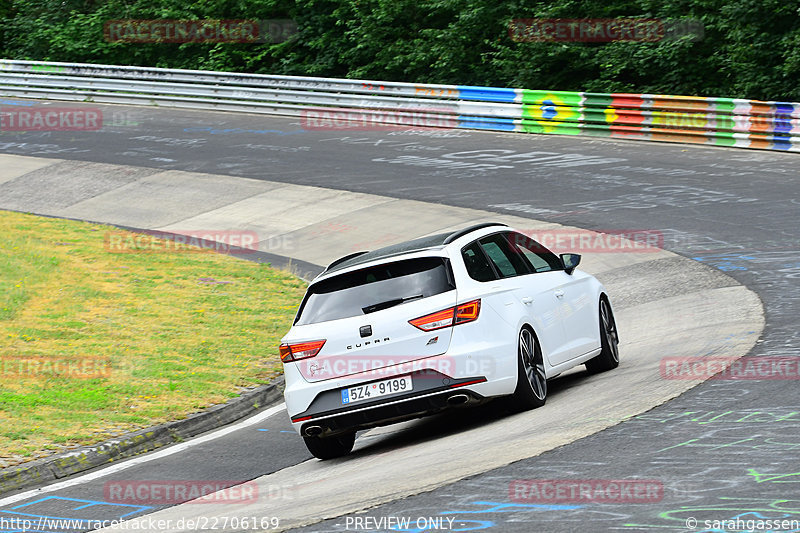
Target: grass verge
x=94 y=344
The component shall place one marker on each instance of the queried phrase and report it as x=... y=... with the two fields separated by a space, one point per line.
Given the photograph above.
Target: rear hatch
x=363 y=317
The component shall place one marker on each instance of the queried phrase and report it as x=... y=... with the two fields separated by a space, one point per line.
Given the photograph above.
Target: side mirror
x=570 y=262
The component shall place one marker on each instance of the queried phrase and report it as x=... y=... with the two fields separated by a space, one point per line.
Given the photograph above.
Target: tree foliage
x=751 y=48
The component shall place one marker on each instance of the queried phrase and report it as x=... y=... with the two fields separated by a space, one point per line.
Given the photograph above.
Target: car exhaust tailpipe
x=313 y=431
x=457 y=399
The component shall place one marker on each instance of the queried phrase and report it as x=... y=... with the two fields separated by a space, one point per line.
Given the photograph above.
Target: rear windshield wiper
x=388 y=303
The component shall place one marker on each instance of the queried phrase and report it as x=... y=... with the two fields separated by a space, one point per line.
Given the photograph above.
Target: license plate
x=377 y=389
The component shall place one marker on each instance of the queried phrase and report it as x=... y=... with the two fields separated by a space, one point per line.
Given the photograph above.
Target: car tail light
x=452 y=316
x=300 y=350
x=468 y=312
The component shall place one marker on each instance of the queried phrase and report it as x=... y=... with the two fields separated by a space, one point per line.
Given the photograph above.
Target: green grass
x=147 y=339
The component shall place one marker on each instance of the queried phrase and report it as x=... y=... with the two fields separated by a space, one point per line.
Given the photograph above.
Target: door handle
x=527 y=301
x=559 y=293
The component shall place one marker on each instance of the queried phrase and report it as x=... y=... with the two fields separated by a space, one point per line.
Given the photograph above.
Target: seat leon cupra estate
x=452 y=319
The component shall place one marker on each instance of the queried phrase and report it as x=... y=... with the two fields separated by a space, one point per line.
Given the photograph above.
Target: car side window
x=539 y=257
x=507 y=261
x=478 y=266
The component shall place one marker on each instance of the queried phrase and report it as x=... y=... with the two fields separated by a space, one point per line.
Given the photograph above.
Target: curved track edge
x=666 y=306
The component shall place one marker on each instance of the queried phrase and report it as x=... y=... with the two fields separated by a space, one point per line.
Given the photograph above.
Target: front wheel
x=330 y=447
x=531 y=391
x=608 y=357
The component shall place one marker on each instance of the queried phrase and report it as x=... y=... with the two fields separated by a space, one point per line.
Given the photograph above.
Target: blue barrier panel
x=781 y=143
x=486 y=123
x=783 y=117
x=486 y=94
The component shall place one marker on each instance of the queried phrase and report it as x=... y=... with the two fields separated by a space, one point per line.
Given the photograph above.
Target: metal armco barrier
x=685 y=119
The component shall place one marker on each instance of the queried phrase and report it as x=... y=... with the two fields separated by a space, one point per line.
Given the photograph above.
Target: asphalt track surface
x=723 y=450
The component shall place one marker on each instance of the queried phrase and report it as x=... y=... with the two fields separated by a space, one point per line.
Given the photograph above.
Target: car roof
x=440 y=240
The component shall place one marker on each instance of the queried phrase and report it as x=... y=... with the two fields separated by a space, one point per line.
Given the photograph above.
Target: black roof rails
x=345 y=258
x=460 y=233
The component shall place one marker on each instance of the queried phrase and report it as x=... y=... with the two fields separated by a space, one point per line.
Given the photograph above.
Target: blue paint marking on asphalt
x=25 y=528
x=48 y=517
x=500 y=507
x=725 y=262
x=262 y=430
x=11 y=102
x=476 y=525
x=88 y=503
x=479 y=524
x=17 y=514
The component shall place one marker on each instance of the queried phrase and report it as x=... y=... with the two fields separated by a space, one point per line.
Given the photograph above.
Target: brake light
x=468 y=312
x=452 y=316
x=300 y=350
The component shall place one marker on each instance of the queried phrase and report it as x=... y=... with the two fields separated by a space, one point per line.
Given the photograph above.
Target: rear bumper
x=433 y=392
x=477 y=351
x=465 y=359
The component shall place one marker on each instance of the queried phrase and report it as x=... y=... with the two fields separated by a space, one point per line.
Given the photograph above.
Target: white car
x=450 y=319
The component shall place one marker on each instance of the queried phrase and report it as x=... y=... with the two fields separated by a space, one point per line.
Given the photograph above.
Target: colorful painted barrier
x=686 y=119
x=689 y=119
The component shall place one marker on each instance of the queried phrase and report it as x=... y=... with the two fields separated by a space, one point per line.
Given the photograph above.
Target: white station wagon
x=444 y=320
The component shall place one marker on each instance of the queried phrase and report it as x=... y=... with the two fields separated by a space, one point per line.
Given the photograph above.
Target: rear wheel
x=330 y=447
x=531 y=391
x=609 y=341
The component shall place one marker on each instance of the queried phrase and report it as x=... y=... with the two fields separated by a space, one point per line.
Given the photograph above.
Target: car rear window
x=375 y=288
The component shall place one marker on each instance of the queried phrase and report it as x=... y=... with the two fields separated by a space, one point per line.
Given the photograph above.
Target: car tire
x=330 y=447
x=531 y=391
x=608 y=358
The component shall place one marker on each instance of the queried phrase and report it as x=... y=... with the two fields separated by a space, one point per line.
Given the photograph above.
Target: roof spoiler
x=343 y=259
x=460 y=233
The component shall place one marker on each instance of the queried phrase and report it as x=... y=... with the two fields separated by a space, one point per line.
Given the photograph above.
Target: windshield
x=375 y=288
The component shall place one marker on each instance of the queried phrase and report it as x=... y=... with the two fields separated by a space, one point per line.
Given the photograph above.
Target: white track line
x=113 y=469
